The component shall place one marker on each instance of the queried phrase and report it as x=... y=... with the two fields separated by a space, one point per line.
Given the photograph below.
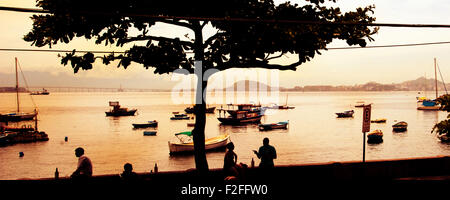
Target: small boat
x=382 y=120
x=149 y=133
x=175 y=113
x=279 y=125
x=246 y=113
x=348 y=113
x=179 y=118
x=118 y=111
x=429 y=105
x=375 y=137
x=400 y=126
x=191 y=124
x=26 y=136
x=208 y=110
x=186 y=146
x=43 y=92
x=153 y=123
x=180 y=115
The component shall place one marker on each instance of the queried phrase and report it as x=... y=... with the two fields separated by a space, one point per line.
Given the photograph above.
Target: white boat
x=210 y=144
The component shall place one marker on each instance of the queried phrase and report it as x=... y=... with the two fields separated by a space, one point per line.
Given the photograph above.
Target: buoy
x=21 y=154
x=66 y=139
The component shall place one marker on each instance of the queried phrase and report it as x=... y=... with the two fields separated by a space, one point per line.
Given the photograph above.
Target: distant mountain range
x=420 y=84
x=46 y=79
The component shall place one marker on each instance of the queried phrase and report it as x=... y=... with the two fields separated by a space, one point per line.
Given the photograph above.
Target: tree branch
x=148 y=37
x=173 y=22
x=257 y=64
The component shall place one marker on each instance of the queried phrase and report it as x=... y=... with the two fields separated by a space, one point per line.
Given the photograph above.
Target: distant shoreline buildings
x=420 y=84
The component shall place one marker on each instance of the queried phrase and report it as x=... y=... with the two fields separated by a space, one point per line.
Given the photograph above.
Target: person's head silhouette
x=128 y=167
x=230 y=146
x=79 y=152
x=266 y=141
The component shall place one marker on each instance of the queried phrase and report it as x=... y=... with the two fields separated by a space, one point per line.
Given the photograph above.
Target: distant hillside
x=420 y=84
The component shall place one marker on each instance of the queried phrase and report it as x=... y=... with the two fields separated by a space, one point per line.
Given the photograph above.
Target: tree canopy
x=249 y=41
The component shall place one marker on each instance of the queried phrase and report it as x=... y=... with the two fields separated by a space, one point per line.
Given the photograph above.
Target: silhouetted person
x=266 y=153
x=229 y=161
x=128 y=174
x=84 y=167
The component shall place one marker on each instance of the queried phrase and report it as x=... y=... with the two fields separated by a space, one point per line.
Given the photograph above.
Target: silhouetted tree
x=251 y=41
x=443 y=127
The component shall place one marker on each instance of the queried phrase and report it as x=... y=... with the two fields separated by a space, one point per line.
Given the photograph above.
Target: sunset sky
x=333 y=67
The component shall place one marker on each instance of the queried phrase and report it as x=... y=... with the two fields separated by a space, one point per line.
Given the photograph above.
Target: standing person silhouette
x=266 y=153
x=128 y=174
x=84 y=167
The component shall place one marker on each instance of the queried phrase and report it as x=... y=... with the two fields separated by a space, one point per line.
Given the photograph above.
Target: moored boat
x=246 y=113
x=149 y=133
x=118 y=111
x=348 y=113
x=279 y=125
x=186 y=146
x=382 y=120
x=208 y=110
x=43 y=92
x=375 y=137
x=400 y=126
x=153 y=123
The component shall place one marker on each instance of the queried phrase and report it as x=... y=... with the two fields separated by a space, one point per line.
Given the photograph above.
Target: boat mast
x=17 y=88
x=435 y=78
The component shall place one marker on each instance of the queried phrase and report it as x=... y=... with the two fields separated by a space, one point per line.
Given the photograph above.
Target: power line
x=119 y=52
x=305 y=22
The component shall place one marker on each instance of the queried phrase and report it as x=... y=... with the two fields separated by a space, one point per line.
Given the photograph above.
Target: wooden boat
x=17 y=115
x=118 y=111
x=186 y=147
x=43 y=92
x=191 y=124
x=179 y=118
x=180 y=115
x=246 y=113
x=26 y=136
x=149 y=133
x=153 y=123
x=208 y=110
x=281 y=107
x=382 y=120
x=375 y=137
x=348 y=113
x=400 y=126
x=279 y=125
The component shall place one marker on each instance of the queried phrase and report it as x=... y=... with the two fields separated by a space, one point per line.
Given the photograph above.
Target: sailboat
x=17 y=115
x=285 y=106
x=431 y=104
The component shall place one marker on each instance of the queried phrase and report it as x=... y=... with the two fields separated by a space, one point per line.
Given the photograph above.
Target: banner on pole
x=366 y=118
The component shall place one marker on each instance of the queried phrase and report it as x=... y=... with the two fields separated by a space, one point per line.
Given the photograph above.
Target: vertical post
x=364 y=147
x=365 y=127
x=17 y=88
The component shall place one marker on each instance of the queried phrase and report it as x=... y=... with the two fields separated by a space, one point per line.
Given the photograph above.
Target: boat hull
x=17 y=117
x=234 y=121
x=266 y=127
x=24 y=137
x=146 y=125
x=210 y=144
x=374 y=139
x=121 y=113
x=149 y=133
x=431 y=108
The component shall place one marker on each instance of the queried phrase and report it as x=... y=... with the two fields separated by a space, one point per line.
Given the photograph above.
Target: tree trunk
x=201 y=163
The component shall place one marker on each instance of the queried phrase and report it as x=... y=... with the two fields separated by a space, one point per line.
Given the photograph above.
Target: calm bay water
x=314 y=134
